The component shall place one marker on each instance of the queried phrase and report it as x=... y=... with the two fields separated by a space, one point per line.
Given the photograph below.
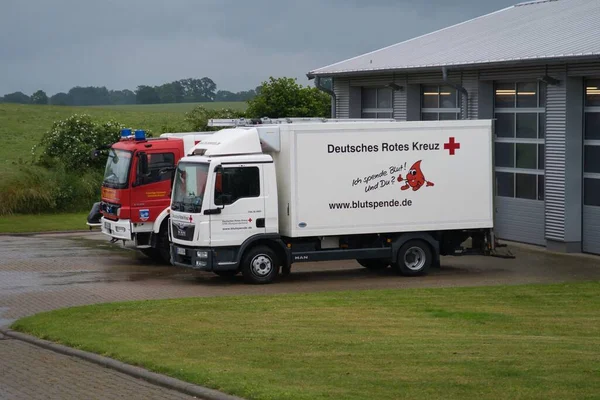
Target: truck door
x=151 y=192
x=239 y=191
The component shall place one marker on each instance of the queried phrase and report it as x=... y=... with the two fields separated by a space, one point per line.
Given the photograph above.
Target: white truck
x=258 y=197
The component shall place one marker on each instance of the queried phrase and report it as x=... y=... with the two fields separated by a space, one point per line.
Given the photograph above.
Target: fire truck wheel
x=260 y=265
x=162 y=245
x=414 y=258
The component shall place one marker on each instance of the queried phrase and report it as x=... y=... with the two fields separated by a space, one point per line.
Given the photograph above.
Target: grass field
x=22 y=126
x=505 y=342
x=176 y=107
x=43 y=223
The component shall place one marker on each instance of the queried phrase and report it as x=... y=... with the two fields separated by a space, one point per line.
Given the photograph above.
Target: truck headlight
x=202 y=254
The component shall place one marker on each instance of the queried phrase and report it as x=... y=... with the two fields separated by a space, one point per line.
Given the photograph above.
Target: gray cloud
x=54 y=45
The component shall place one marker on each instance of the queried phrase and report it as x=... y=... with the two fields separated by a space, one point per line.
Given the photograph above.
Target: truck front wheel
x=260 y=265
x=414 y=258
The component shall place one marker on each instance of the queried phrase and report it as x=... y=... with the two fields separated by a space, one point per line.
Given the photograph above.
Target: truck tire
x=414 y=258
x=260 y=265
x=162 y=245
x=374 y=264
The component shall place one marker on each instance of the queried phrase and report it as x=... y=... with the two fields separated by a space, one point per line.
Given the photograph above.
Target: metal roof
x=529 y=31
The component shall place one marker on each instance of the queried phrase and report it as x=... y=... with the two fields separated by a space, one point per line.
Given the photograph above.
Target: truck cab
x=225 y=198
x=136 y=189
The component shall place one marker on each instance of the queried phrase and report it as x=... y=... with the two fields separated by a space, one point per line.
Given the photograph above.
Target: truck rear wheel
x=260 y=265
x=414 y=258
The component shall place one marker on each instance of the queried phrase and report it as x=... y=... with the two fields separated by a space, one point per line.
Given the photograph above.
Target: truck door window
x=236 y=183
x=156 y=162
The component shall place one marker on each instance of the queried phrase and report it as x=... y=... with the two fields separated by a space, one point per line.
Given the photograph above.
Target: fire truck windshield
x=117 y=168
x=188 y=188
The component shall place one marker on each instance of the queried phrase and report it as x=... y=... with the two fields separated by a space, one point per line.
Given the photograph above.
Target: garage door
x=591 y=168
x=519 y=110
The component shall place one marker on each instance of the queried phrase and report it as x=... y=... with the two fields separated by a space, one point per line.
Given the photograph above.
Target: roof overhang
x=533 y=61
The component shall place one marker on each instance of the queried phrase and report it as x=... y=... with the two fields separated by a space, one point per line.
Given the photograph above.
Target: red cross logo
x=451 y=146
x=249 y=219
x=190 y=219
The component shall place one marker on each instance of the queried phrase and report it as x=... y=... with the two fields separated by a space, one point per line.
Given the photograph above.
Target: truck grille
x=183 y=231
x=109 y=208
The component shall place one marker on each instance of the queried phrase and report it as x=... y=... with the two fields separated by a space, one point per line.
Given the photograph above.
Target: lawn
x=22 y=126
x=43 y=223
x=505 y=342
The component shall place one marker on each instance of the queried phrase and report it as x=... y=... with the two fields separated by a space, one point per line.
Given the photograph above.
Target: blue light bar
x=140 y=134
x=125 y=132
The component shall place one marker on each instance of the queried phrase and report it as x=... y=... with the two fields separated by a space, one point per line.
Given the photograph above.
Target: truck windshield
x=188 y=188
x=117 y=168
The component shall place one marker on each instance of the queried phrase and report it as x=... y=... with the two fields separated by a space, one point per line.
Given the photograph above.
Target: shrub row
x=35 y=189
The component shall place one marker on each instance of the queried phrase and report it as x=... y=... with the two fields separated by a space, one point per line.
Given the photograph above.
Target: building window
x=377 y=102
x=591 y=144
x=520 y=128
x=439 y=103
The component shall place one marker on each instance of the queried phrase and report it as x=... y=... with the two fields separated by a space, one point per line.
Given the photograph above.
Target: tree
x=61 y=99
x=120 y=97
x=284 y=97
x=39 y=97
x=72 y=140
x=89 y=96
x=17 y=97
x=146 y=95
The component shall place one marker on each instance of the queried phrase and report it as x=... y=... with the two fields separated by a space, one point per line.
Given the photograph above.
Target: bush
x=284 y=97
x=198 y=117
x=35 y=189
x=71 y=141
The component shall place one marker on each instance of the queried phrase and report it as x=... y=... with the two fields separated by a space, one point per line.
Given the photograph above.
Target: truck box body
x=343 y=178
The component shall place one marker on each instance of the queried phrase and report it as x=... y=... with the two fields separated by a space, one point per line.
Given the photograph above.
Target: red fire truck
x=136 y=190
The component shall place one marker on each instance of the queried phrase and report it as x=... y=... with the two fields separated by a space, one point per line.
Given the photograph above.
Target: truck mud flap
x=94 y=216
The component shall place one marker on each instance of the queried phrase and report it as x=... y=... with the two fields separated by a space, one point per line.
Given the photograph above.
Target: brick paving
x=46 y=272
x=29 y=372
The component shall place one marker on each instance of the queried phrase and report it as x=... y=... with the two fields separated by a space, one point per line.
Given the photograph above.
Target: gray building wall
x=558 y=221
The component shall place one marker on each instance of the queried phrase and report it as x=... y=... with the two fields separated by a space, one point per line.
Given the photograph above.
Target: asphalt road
x=45 y=272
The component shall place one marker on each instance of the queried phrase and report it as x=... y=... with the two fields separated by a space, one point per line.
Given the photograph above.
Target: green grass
x=22 y=126
x=43 y=223
x=177 y=107
x=505 y=342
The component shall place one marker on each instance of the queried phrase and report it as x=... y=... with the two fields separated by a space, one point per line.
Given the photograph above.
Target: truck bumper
x=198 y=258
x=120 y=229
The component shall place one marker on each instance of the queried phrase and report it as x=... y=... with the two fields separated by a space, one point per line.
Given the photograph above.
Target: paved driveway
x=45 y=272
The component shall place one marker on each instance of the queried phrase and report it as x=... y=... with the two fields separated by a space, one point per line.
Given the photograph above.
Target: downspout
x=329 y=92
x=465 y=112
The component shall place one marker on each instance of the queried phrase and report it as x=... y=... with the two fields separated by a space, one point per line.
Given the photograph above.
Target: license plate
x=107 y=225
x=181 y=251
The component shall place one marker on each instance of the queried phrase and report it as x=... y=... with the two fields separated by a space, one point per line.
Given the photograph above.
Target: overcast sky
x=54 y=45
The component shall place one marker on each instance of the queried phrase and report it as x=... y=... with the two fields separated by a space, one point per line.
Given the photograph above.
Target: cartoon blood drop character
x=415 y=178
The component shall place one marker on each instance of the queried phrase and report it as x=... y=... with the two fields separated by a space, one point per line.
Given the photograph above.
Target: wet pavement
x=45 y=272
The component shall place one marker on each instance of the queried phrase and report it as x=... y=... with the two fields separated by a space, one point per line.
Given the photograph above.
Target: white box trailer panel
x=384 y=177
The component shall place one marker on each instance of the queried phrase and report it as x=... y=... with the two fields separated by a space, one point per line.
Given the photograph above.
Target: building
x=534 y=68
